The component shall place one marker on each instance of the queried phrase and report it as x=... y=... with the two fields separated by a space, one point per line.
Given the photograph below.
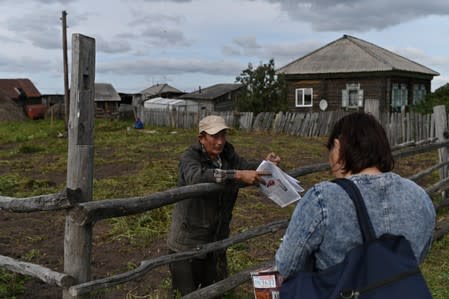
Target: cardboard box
x=266 y=283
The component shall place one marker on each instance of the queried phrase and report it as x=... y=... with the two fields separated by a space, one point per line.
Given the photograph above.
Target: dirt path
x=38 y=238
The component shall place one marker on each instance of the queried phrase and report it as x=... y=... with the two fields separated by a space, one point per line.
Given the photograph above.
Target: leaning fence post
x=78 y=238
x=441 y=133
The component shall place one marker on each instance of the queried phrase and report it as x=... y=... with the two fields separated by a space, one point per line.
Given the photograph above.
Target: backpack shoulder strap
x=353 y=191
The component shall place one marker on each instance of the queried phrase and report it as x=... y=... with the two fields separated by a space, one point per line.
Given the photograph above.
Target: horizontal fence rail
x=49 y=202
x=46 y=275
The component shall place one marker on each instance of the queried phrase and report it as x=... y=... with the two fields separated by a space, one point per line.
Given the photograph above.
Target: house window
x=399 y=95
x=304 y=97
x=352 y=96
x=419 y=93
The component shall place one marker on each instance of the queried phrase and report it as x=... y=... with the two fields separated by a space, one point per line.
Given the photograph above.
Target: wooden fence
x=400 y=127
x=83 y=213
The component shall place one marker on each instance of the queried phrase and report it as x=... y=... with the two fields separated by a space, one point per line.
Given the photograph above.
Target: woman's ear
x=337 y=149
x=336 y=165
x=337 y=146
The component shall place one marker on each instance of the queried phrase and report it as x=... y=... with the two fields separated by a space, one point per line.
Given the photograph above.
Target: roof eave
x=361 y=74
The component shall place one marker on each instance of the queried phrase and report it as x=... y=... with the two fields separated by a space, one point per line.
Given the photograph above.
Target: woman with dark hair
x=324 y=226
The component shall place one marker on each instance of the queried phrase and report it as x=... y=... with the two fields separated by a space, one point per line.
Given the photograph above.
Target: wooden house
x=107 y=101
x=349 y=73
x=162 y=91
x=218 y=97
x=25 y=95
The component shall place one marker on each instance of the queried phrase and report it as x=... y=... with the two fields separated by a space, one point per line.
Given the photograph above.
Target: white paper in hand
x=279 y=186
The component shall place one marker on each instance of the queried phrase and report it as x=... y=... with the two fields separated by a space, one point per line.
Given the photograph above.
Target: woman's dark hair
x=363 y=143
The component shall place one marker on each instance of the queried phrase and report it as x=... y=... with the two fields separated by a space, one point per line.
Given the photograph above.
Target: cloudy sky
x=191 y=43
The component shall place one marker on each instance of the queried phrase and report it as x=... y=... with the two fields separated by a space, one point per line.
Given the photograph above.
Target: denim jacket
x=324 y=224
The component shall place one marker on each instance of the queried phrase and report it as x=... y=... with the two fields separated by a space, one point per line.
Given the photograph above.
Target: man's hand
x=272 y=157
x=251 y=177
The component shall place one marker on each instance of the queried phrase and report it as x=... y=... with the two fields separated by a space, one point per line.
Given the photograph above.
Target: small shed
x=107 y=101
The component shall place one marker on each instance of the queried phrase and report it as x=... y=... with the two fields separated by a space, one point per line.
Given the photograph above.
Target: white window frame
x=301 y=96
x=419 y=93
x=352 y=88
x=399 y=95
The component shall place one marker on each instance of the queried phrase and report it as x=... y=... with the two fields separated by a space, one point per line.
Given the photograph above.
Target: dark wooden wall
x=374 y=87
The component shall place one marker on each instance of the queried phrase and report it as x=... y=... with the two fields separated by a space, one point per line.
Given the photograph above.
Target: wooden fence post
x=441 y=133
x=78 y=239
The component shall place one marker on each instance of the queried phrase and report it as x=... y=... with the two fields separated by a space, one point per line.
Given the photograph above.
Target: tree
x=265 y=91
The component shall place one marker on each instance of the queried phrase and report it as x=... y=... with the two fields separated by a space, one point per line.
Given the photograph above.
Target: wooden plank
x=427 y=171
x=92 y=211
x=305 y=125
x=277 y=123
x=412 y=125
x=432 y=127
x=296 y=124
x=330 y=122
x=45 y=274
x=78 y=239
x=440 y=132
x=299 y=119
x=419 y=149
x=219 y=288
x=403 y=124
x=290 y=120
x=372 y=106
x=246 y=120
x=268 y=120
x=441 y=230
x=258 y=121
x=48 y=202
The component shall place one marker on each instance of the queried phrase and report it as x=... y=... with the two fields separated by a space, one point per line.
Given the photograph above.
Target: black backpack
x=380 y=268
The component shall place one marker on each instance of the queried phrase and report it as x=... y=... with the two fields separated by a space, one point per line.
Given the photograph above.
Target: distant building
x=349 y=72
x=130 y=104
x=26 y=95
x=155 y=91
x=162 y=91
x=55 y=104
x=52 y=99
x=107 y=101
x=218 y=97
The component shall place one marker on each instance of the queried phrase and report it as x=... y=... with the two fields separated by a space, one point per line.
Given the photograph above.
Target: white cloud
x=112 y=46
x=197 y=42
x=169 y=67
x=360 y=15
x=164 y=37
x=10 y=64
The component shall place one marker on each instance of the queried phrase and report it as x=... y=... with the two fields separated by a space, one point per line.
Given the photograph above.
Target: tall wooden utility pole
x=66 y=71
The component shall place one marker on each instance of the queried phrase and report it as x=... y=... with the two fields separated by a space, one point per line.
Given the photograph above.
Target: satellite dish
x=323 y=104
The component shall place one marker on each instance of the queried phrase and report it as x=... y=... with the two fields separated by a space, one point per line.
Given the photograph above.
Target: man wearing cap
x=204 y=219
